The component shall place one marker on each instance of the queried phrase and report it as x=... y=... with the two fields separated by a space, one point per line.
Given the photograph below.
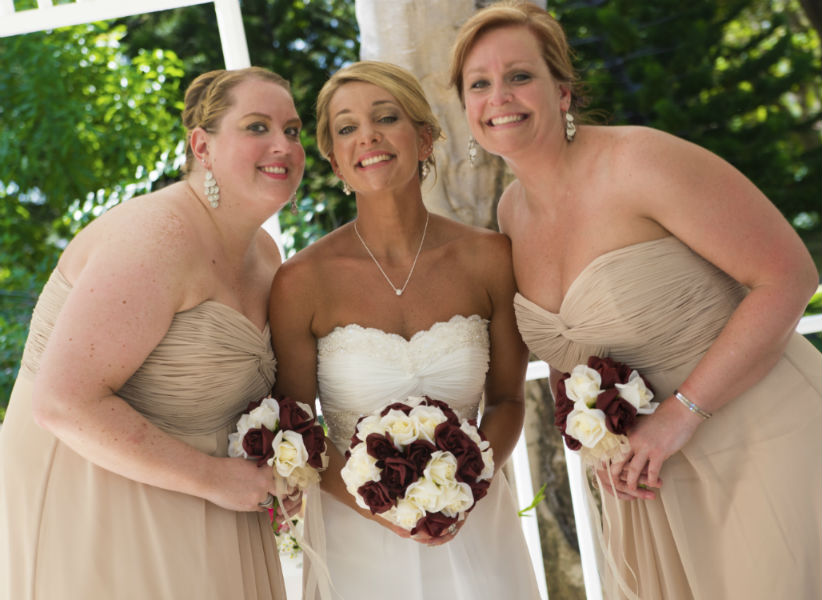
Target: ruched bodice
x=362 y=369
x=122 y=538
x=621 y=304
x=165 y=389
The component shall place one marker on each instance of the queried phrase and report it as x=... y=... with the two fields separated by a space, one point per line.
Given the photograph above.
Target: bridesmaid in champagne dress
x=401 y=303
x=148 y=340
x=631 y=243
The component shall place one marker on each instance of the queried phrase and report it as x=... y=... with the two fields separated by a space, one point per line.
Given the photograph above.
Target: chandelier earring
x=294 y=209
x=212 y=190
x=473 y=151
x=346 y=189
x=425 y=169
x=570 y=128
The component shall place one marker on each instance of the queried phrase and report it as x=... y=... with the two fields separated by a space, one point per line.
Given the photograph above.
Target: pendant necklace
x=397 y=290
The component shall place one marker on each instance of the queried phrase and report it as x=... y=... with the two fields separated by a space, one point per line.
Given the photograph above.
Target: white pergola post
x=48 y=16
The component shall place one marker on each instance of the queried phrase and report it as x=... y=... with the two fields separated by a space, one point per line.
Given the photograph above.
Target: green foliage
x=81 y=127
x=538 y=497
x=739 y=77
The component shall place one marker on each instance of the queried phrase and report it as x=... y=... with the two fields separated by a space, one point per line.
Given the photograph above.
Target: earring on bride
x=212 y=190
x=346 y=188
x=397 y=291
x=570 y=128
x=294 y=203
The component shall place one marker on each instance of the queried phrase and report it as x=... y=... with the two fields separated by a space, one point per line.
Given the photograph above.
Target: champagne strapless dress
x=740 y=511
x=361 y=370
x=72 y=530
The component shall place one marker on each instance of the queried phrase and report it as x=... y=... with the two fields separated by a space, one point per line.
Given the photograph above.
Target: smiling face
x=511 y=99
x=375 y=144
x=255 y=153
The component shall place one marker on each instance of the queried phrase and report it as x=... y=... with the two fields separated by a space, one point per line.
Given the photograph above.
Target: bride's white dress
x=361 y=370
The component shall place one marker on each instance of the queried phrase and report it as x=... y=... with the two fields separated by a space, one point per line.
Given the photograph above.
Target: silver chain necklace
x=397 y=290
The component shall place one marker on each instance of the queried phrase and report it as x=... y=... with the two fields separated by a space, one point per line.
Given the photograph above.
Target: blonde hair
x=395 y=80
x=209 y=97
x=549 y=33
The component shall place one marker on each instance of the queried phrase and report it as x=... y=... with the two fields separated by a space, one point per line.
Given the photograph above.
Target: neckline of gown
x=264 y=335
x=415 y=336
x=604 y=256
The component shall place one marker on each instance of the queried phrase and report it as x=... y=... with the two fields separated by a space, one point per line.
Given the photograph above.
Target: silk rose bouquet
x=596 y=406
x=418 y=466
x=283 y=434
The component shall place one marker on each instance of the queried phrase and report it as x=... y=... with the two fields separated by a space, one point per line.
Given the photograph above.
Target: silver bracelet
x=691 y=406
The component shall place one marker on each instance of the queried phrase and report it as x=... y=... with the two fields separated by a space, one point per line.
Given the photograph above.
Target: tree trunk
x=417 y=35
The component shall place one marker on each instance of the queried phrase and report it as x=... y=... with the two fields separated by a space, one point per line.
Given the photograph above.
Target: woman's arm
x=124 y=296
x=721 y=215
x=504 y=411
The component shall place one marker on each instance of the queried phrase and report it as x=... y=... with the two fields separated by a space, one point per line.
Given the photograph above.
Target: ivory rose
x=586 y=425
x=637 y=393
x=583 y=385
x=289 y=452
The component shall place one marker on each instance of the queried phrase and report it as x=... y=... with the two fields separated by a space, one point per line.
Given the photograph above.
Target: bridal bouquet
x=283 y=434
x=596 y=406
x=418 y=466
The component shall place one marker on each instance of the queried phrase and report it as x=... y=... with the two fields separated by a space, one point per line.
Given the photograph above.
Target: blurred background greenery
x=89 y=115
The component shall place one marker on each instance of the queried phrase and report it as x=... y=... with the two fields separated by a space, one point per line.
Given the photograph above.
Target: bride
x=400 y=303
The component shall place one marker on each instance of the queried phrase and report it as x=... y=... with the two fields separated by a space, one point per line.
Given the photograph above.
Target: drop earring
x=424 y=170
x=212 y=190
x=570 y=128
x=473 y=151
x=346 y=189
x=294 y=204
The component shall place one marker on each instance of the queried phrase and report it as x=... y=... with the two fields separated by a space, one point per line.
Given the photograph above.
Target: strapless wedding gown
x=361 y=370
x=739 y=514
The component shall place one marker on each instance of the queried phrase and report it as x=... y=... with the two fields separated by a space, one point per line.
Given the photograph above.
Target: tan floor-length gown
x=739 y=515
x=72 y=530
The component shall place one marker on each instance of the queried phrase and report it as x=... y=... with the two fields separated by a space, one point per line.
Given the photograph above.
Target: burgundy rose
x=434 y=524
x=479 y=489
x=376 y=496
x=449 y=413
x=609 y=370
x=257 y=444
x=563 y=405
x=380 y=447
x=397 y=474
x=419 y=453
x=453 y=439
x=403 y=408
x=572 y=442
x=620 y=415
x=293 y=417
x=314 y=442
x=470 y=464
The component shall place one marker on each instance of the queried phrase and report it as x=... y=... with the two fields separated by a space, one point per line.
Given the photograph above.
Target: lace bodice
x=362 y=369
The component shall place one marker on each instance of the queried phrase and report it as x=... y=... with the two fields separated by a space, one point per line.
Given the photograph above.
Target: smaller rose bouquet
x=596 y=406
x=283 y=434
x=418 y=466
